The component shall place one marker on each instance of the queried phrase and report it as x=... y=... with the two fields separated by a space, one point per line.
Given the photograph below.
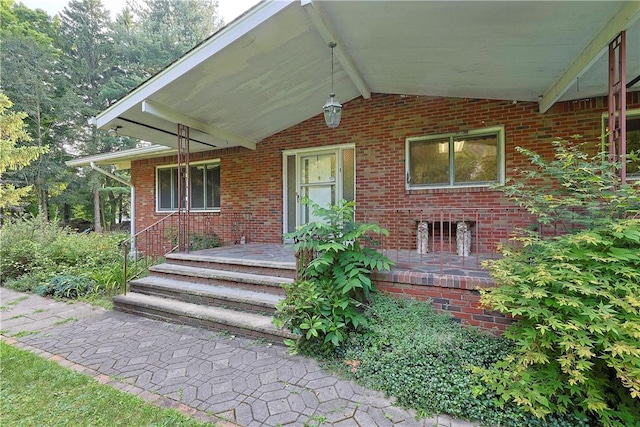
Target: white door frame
x=337 y=149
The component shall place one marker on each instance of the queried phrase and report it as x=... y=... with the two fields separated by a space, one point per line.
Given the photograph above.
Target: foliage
x=33 y=251
x=325 y=302
x=318 y=311
x=12 y=130
x=198 y=241
x=577 y=339
x=32 y=77
x=63 y=70
x=36 y=391
x=109 y=278
x=71 y=287
x=424 y=359
x=573 y=188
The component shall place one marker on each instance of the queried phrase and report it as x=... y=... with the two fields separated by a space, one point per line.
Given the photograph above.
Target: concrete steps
x=210 y=317
x=222 y=294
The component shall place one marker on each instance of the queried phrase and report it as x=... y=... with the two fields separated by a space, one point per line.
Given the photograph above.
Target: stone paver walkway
x=222 y=379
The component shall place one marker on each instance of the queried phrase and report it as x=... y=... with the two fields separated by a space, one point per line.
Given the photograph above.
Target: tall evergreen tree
x=12 y=130
x=170 y=28
x=31 y=76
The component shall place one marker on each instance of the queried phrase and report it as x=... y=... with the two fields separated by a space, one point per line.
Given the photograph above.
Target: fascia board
x=118 y=157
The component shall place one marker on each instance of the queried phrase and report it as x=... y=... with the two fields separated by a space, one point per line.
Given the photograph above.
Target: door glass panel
x=323 y=195
x=319 y=168
x=348 y=175
x=317 y=183
x=291 y=193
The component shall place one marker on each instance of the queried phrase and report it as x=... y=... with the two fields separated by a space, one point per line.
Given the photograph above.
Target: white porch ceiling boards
x=270 y=69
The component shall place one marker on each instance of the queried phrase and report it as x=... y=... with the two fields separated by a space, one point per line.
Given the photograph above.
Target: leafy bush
x=575 y=297
x=325 y=303
x=577 y=300
x=574 y=188
x=33 y=251
x=70 y=287
x=207 y=240
x=424 y=359
x=197 y=241
x=33 y=245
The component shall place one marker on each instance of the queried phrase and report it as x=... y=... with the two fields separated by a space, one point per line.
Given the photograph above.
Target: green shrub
x=20 y=245
x=575 y=297
x=577 y=339
x=71 y=287
x=207 y=240
x=33 y=251
x=424 y=359
x=574 y=188
x=325 y=304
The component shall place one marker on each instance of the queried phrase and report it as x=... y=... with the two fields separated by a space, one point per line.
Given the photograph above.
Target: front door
x=324 y=176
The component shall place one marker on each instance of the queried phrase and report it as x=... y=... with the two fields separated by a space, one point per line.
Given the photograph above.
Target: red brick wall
x=252 y=180
x=378 y=127
x=455 y=295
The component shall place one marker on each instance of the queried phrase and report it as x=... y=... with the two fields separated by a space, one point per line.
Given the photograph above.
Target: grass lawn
x=35 y=391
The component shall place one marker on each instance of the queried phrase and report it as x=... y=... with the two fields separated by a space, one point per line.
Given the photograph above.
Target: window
x=633 y=140
x=471 y=159
x=204 y=189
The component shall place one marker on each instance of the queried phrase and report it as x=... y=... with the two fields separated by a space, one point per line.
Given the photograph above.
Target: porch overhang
x=270 y=69
x=122 y=159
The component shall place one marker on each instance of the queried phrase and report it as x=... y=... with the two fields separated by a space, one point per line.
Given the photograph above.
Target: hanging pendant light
x=332 y=109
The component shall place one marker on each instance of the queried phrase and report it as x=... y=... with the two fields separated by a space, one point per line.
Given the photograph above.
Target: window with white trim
x=473 y=158
x=633 y=140
x=204 y=188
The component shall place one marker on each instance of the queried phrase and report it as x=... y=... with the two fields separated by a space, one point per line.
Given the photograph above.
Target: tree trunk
x=43 y=205
x=113 y=207
x=97 y=225
x=120 y=208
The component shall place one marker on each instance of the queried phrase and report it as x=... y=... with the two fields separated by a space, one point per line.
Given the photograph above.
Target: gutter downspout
x=132 y=252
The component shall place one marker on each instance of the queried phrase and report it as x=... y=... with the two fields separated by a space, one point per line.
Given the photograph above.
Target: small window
x=633 y=144
x=633 y=140
x=471 y=159
x=204 y=188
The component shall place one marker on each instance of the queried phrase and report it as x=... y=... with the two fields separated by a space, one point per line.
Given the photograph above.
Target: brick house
x=429 y=121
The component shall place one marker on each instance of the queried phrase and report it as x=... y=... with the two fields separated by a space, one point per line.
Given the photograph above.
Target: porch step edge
x=210 y=273
x=276 y=265
x=222 y=316
x=226 y=293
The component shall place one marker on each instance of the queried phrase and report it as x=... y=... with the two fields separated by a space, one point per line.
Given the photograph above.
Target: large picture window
x=204 y=188
x=471 y=159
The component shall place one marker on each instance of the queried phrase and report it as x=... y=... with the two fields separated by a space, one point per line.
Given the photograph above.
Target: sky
x=229 y=9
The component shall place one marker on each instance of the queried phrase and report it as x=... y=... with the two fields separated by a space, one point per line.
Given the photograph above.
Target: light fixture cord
x=332 y=69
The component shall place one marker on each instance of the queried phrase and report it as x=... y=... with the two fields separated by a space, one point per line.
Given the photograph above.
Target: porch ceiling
x=270 y=69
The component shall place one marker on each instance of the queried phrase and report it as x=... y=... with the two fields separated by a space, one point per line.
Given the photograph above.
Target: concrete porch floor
x=405 y=260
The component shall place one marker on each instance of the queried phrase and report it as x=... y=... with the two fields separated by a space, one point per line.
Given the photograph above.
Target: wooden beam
x=621 y=20
x=172 y=116
x=323 y=25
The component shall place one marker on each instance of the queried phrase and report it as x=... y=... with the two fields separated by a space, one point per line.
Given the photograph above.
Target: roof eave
x=218 y=41
x=122 y=159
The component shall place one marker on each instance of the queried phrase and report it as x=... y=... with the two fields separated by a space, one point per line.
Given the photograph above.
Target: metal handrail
x=162 y=237
x=130 y=252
